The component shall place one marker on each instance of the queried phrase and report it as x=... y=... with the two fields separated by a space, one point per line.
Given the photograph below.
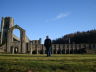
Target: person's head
x=47 y=37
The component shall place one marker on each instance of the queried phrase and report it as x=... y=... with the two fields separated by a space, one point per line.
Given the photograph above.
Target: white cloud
x=59 y=16
x=62 y=15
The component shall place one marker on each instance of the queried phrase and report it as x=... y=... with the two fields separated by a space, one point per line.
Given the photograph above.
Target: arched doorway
x=16 y=50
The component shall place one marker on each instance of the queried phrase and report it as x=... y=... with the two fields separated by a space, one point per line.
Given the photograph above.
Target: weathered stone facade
x=11 y=45
x=24 y=45
x=7 y=37
x=63 y=48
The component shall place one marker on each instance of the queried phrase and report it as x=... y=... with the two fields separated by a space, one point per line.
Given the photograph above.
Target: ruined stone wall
x=6 y=23
x=10 y=41
x=15 y=45
x=62 y=48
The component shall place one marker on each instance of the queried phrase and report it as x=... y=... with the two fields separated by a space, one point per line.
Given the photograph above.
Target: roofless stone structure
x=10 y=43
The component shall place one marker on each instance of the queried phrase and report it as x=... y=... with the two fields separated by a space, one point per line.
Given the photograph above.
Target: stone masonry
x=9 y=43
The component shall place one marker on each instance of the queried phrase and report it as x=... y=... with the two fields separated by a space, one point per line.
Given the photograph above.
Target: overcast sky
x=50 y=17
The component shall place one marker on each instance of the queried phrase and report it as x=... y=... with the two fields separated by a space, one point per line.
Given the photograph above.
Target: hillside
x=77 y=38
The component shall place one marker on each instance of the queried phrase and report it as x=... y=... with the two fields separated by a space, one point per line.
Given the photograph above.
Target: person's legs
x=50 y=51
x=47 y=53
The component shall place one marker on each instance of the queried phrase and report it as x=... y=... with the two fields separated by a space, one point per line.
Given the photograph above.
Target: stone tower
x=6 y=23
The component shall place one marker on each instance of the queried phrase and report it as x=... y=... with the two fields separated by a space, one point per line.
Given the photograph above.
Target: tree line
x=77 y=38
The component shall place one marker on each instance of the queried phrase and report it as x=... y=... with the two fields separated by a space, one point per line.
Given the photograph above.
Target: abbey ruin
x=10 y=43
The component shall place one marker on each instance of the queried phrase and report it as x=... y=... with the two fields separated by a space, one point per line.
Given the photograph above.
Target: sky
x=54 y=18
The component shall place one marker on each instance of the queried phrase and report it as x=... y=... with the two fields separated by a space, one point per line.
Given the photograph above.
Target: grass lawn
x=41 y=63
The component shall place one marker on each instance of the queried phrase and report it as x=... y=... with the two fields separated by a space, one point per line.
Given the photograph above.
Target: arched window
x=16 y=35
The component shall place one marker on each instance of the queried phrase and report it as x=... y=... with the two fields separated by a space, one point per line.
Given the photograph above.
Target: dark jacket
x=47 y=43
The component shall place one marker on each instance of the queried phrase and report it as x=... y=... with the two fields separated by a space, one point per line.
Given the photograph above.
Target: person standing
x=47 y=44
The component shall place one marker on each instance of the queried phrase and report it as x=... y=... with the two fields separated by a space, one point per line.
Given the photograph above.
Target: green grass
x=41 y=63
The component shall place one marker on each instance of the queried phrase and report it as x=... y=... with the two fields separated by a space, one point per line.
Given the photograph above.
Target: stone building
x=10 y=43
